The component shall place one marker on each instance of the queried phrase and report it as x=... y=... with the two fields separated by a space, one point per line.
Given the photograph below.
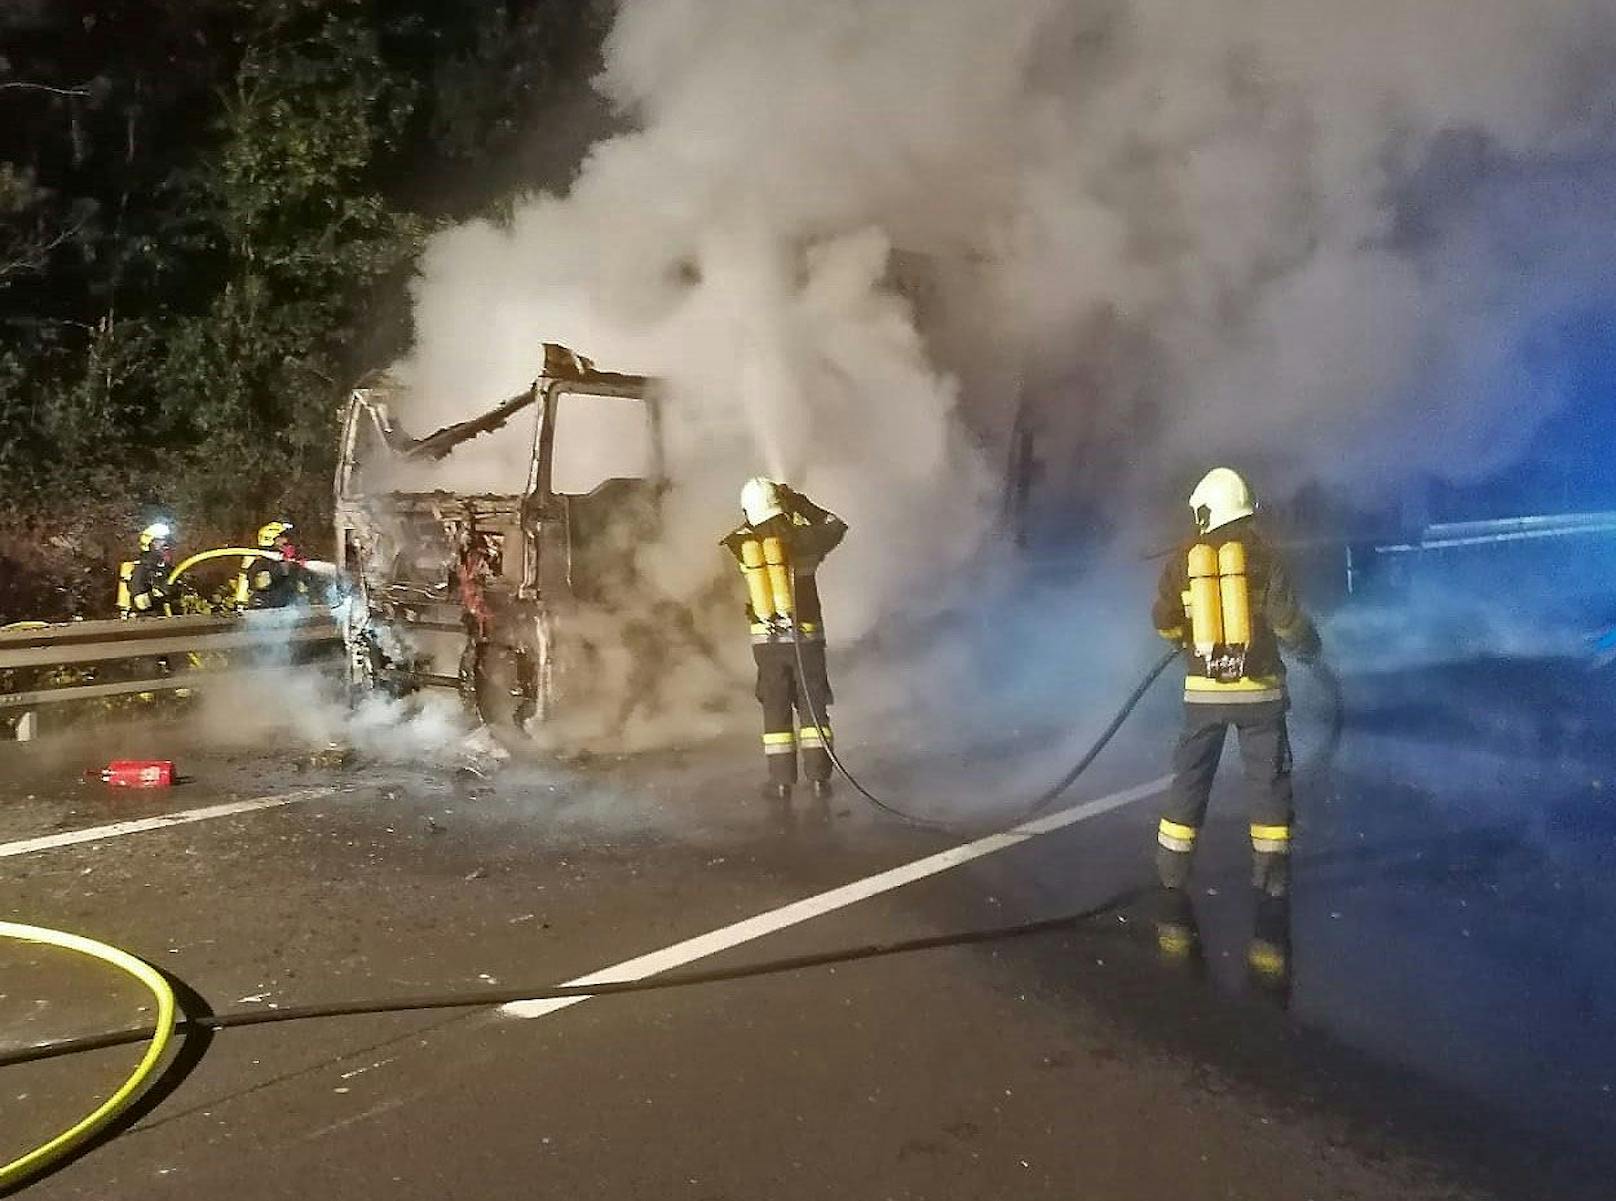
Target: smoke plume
x=861 y=239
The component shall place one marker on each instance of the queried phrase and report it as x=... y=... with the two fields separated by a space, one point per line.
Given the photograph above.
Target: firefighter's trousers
x=1265 y=753
x=780 y=693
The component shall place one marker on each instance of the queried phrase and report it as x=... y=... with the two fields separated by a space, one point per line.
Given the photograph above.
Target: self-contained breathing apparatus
x=1217 y=608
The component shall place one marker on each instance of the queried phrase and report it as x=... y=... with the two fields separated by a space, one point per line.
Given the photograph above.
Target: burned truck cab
x=495 y=594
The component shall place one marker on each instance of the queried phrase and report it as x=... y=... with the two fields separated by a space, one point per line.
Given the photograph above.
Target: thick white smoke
x=1311 y=235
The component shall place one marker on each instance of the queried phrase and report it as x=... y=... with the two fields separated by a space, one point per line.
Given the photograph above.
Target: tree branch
x=33 y=257
x=44 y=87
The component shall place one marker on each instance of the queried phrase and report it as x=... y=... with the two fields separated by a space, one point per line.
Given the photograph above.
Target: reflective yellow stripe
x=783 y=742
x=1200 y=690
x=1176 y=837
x=1273 y=833
x=1176 y=634
x=813 y=736
x=1202 y=684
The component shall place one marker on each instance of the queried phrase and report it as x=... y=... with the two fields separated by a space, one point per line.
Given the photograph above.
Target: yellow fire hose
x=222 y=552
x=47 y=1153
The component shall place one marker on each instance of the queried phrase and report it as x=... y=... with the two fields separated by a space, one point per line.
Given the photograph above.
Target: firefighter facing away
x=1227 y=599
x=779 y=548
x=143 y=589
x=267 y=583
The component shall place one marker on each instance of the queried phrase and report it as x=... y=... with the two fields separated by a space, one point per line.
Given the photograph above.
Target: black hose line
x=1025 y=813
x=483 y=998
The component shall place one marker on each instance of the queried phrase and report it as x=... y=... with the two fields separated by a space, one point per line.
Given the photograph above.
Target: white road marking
x=826 y=902
x=51 y=842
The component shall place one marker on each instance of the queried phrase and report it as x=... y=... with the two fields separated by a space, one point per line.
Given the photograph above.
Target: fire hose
x=126 y=1094
x=161 y=1033
x=1043 y=800
x=1025 y=812
x=53 y=1153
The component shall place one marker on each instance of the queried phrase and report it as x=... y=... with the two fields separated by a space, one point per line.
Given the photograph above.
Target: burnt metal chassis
x=506 y=672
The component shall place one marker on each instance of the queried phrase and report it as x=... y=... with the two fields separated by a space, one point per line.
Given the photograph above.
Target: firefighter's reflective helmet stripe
x=816 y=736
x=780 y=742
x=1222 y=496
x=1176 y=837
x=1270 y=840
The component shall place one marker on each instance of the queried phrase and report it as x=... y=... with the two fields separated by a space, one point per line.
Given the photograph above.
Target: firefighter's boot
x=1173 y=868
x=1271 y=874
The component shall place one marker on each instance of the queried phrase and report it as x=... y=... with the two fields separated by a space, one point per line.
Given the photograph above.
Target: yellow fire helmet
x=760 y=500
x=1221 y=497
x=157 y=531
x=268 y=533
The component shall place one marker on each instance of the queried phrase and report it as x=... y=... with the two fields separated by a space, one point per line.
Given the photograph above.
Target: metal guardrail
x=33 y=662
x=1449 y=535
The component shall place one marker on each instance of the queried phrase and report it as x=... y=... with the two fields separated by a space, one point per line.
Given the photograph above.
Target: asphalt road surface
x=1443 y=1030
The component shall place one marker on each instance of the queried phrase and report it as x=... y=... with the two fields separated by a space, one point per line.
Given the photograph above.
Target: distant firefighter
x=143 y=589
x=779 y=548
x=1226 y=598
x=267 y=583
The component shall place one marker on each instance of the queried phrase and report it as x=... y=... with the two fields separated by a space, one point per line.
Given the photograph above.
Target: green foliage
x=208 y=213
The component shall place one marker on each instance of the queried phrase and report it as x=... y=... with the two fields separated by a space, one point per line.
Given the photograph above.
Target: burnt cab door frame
x=546 y=513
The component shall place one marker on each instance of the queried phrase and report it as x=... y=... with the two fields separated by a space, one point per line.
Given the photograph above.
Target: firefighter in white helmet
x=143 y=589
x=1226 y=597
x=779 y=547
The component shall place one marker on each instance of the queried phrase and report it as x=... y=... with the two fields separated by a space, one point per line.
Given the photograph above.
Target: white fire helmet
x=761 y=500
x=1221 y=497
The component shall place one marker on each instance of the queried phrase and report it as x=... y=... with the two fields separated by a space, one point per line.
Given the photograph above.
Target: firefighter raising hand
x=779 y=548
x=267 y=583
x=1226 y=597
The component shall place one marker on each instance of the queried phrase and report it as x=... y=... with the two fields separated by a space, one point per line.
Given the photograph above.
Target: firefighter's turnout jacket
x=1230 y=658
x=144 y=590
x=809 y=533
x=785 y=583
x=271 y=584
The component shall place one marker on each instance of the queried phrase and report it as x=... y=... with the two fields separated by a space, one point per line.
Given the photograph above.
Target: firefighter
x=1226 y=598
x=267 y=583
x=779 y=548
x=143 y=589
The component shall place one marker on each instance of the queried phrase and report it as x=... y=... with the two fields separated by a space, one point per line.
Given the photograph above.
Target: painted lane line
x=51 y=842
x=808 y=908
